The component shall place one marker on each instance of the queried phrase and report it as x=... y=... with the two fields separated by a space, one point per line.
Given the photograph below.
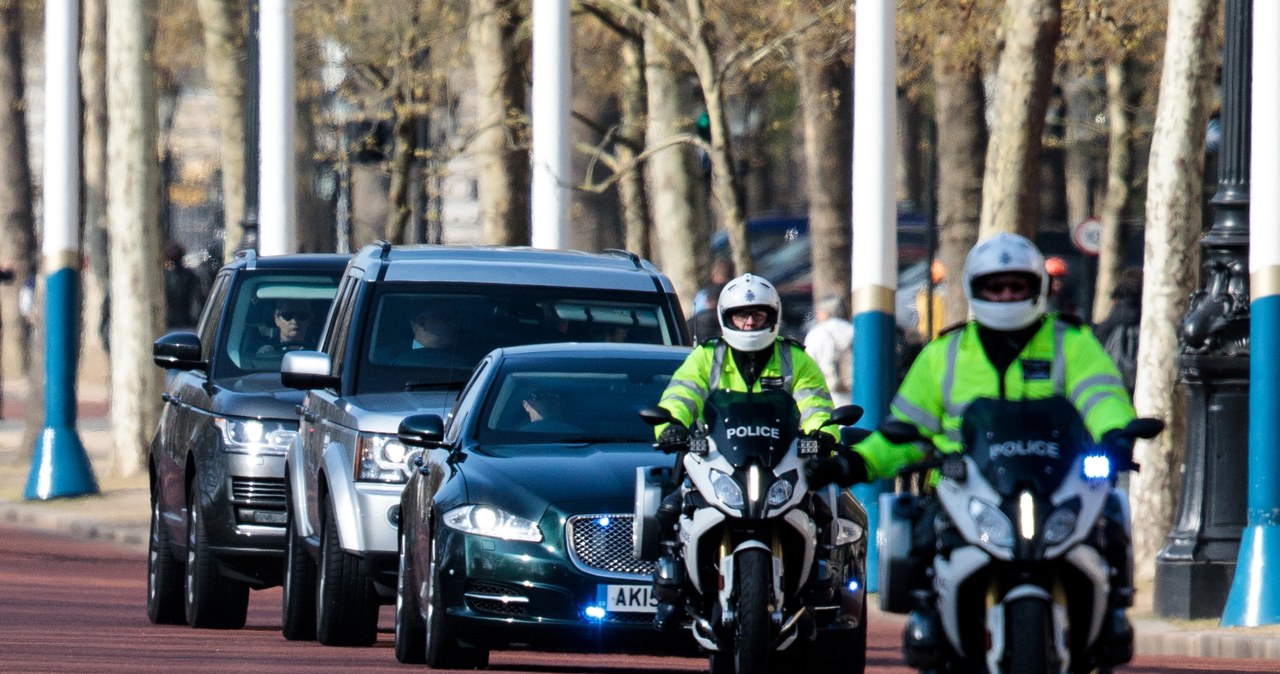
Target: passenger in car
x=546 y=413
x=436 y=340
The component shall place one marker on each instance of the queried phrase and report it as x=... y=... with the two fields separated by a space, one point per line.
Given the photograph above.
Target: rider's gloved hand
x=673 y=438
x=845 y=468
x=1120 y=448
x=825 y=441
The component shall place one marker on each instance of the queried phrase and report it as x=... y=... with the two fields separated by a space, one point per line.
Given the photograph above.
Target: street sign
x=1087 y=235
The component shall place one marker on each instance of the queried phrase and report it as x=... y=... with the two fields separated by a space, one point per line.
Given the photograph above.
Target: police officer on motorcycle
x=748 y=356
x=1009 y=349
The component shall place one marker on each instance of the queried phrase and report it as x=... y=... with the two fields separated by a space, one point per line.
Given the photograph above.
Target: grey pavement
x=119 y=516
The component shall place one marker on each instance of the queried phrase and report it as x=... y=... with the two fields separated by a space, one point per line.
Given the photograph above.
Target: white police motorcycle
x=1018 y=579
x=768 y=573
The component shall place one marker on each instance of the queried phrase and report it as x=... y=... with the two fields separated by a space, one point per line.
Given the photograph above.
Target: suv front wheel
x=346 y=604
x=298 y=608
x=211 y=600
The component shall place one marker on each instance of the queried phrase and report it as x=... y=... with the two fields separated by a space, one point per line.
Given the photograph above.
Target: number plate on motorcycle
x=628 y=598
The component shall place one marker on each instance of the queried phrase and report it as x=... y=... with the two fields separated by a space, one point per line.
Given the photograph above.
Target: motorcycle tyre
x=1028 y=638
x=754 y=570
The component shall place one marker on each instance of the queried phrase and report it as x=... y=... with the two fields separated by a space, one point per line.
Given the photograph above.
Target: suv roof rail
x=386 y=248
x=246 y=253
x=635 y=259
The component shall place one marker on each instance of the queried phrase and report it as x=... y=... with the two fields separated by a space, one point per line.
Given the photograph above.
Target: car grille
x=264 y=492
x=495 y=598
x=601 y=544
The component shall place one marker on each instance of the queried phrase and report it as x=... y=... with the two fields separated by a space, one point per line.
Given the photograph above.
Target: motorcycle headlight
x=263 y=436
x=780 y=492
x=993 y=527
x=847 y=532
x=727 y=490
x=381 y=458
x=1059 y=525
x=484 y=520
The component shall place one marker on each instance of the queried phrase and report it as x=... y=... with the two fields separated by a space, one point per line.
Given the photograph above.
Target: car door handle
x=166 y=397
x=306 y=414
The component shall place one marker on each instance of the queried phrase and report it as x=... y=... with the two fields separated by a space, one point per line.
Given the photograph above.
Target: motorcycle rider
x=749 y=355
x=1010 y=349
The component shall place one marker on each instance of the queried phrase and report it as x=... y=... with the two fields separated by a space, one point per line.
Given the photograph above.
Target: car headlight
x=780 y=492
x=265 y=436
x=993 y=527
x=382 y=458
x=484 y=520
x=1059 y=525
x=727 y=490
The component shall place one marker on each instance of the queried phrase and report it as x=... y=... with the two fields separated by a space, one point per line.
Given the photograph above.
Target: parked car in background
x=517 y=530
x=409 y=325
x=217 y=459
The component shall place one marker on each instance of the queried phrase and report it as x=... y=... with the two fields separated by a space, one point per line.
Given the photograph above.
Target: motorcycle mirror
x=845 y=415
x=1145 y=428
x=898 y=431
x=852 y=436
x=656 y=415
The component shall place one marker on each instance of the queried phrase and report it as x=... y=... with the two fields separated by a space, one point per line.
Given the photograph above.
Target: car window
x=337 y=337
x=466 y=401
x=270 y=313
x=421 y=336
x=208 y=328
x=573 y=401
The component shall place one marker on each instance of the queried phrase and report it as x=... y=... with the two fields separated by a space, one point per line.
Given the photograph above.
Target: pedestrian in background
x=1118 y=332
x=705 y=324
x=721 y=272
x=830 y=344
x=182 y=295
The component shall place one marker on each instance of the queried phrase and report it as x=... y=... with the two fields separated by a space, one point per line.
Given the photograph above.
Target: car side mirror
x=655 y=416
x=306 y=370
x=898 y=431
x=425 y=431
x=178 y=351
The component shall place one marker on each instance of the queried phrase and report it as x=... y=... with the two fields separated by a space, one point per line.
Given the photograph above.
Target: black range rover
x=217 y=460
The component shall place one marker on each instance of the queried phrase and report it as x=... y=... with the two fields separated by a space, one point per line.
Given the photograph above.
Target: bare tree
x=93 y=89
x=500 y=101
x=1173 y=224
x=17 y=229
x=1119 y=176
x=1010 y=196
x=826 y=99
x=134 y=231
x=224 y=45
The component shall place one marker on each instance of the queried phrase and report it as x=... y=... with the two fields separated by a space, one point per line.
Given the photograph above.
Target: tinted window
x=563 y=400
x=419 y=335
x=212 y=312
x=270 y=312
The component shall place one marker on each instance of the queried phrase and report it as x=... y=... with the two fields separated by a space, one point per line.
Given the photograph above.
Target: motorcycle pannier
x=893 y=538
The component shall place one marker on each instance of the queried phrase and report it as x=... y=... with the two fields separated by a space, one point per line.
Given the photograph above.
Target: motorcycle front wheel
x=753 y=569
x=1029 y=636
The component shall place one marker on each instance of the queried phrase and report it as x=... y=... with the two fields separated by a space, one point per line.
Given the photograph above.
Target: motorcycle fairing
x=1021 y=444
x=747 y=426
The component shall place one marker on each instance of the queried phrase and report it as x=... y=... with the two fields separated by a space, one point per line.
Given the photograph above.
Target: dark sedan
x=516 y=529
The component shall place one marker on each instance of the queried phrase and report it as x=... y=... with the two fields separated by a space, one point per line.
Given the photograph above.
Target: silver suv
x=407 y=327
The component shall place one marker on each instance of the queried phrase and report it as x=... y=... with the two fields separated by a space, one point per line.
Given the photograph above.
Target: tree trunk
x=400 y=210
x=1010 y=195
x=224 y=43
x=93 y=81
x=962 y=139
x=1119 y=177
x=17 y=228
x=911 y=161
x=678 y=212
x=826 y=100
x=1173 y=226
x=631 y=192
x=132 y=214
x=503 y=182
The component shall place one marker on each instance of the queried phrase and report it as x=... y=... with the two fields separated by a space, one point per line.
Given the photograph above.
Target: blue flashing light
x=854 y=585
x=603 y=522
x=1097 y=467
x=595 y=612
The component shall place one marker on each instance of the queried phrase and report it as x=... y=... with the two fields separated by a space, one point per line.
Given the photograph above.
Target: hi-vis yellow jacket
x=710 y=367
x=1062 y=358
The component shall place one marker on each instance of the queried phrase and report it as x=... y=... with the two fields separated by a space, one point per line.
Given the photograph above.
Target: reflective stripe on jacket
x=953 y=370
x=710 y=367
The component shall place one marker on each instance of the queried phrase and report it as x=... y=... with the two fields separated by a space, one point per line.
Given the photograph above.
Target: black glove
x=845 y=468
x=824 y=440
x=1120 y=448
x=673 y=438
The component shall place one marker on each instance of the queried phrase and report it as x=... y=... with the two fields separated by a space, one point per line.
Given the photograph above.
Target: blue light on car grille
x=601 y=544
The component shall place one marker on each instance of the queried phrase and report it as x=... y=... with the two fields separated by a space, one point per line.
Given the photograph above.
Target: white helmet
x=1006 y=253
x=749 y=291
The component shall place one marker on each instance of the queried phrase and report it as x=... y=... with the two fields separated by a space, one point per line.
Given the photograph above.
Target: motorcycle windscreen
x=751 y=427
x=1019 y=444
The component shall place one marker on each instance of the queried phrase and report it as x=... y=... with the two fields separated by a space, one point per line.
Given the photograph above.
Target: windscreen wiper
x=442 y=385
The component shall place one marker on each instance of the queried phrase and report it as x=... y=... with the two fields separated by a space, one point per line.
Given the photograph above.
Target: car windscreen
x=573 y=401
x=424 y=335
x=270 y=314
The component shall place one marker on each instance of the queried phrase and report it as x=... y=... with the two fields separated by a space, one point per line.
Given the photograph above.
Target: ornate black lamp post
x=1195 y=567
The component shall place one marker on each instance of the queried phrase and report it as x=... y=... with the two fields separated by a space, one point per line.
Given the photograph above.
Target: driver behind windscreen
x=293 y=321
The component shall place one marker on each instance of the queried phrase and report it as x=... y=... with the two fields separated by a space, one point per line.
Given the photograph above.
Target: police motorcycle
x=1018 y=578
x=767 y=572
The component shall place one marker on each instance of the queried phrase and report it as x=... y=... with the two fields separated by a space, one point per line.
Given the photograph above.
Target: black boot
x=668 y=580
x=1116 y=647
x=922 y=635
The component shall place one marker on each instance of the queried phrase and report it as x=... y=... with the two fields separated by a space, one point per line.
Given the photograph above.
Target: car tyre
x=442 y=650
x=212 y=601
x=164 y=574
x=346 y=605
x=410 y=632
x=298 y=603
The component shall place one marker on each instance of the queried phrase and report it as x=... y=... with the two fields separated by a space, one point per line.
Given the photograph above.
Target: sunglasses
x=757 y=315
x=1016 y=286
x=294 y=315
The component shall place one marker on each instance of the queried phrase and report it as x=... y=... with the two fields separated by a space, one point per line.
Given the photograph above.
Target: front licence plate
x=628 y=598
